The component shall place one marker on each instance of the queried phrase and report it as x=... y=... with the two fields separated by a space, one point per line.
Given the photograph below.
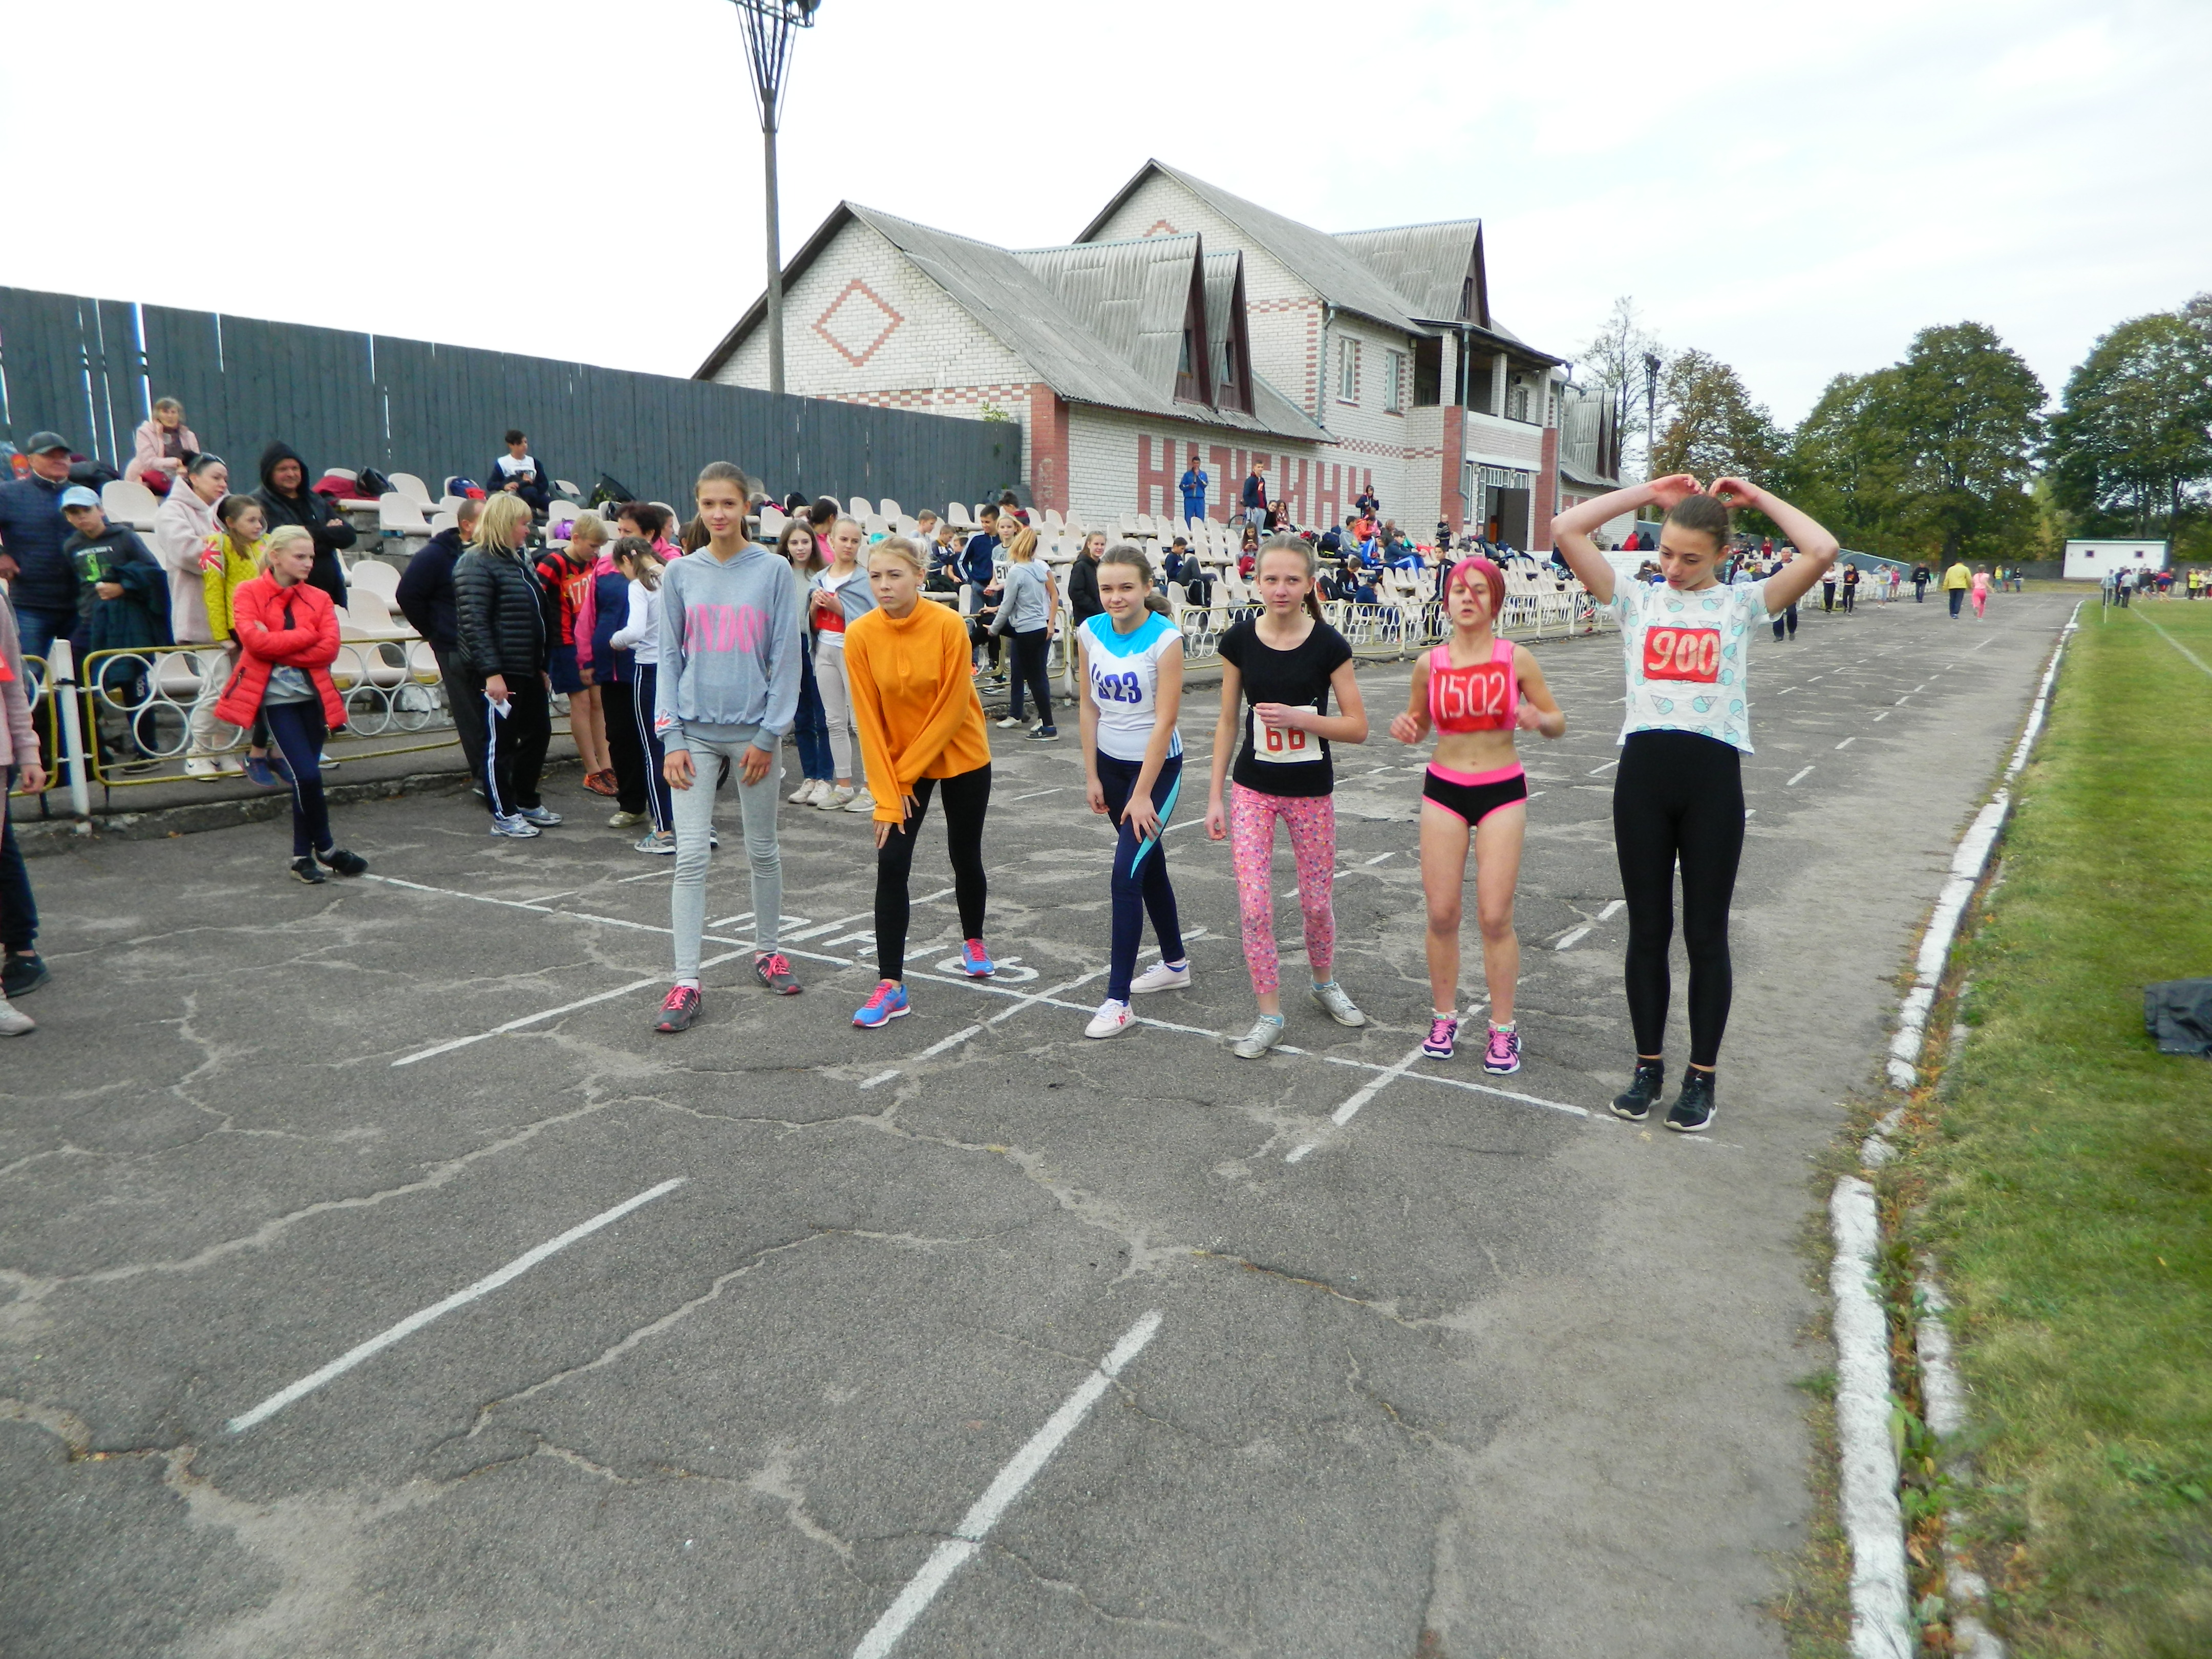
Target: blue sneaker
x=976 y=960
x=888 y=1004
x=259 y=774
x=544 y=817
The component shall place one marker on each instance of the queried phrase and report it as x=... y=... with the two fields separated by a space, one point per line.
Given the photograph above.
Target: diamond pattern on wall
x=857 y=323
x=1161 y=227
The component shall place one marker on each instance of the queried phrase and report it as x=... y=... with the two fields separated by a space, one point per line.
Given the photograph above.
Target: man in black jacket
x=286 y=499
x=498 y=628
x=426 y=599
x=518 y=473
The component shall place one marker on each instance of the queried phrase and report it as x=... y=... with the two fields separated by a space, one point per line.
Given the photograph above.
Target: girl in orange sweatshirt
x=921 y=728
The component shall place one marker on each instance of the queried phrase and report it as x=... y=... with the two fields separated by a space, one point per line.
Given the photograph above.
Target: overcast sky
x=1794 y=188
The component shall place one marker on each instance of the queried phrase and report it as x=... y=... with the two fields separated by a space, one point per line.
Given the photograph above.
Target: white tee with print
x=1689 y=658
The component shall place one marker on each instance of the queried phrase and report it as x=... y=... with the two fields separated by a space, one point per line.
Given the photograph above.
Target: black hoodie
x=314 y=514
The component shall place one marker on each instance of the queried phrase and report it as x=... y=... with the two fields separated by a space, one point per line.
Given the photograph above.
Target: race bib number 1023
x=1682 y=654
x=1283 y=745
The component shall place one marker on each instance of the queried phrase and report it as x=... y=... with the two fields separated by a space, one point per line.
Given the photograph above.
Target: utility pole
x=1651 y=411
x=767 y=25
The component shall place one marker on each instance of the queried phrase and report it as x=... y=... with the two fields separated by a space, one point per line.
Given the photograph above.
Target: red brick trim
x=837 y=345
x=1541 y=509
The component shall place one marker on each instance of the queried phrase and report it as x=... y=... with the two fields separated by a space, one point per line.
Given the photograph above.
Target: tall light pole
x=767 y=25
x=1650 y=409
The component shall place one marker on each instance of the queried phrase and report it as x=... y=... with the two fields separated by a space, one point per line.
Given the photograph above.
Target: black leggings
x=1031 y=649
x=1679 y=797
x=299 y=730
x=967 y=798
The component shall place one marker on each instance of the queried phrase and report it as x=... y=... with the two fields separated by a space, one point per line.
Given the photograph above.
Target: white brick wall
x=1109 y=453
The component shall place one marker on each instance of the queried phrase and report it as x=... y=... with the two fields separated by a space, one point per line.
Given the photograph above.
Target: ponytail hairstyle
x=694 y=535
x=1023 y=546
x=1467 y=570
x=644 y=564
x=231 y=508
x=1299 y=547
x=1157 y=601
x=1707 y=514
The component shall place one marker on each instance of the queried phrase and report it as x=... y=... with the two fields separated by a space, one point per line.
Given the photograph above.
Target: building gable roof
x=1088 y=322
x=1438 y=267
x=1316 y=258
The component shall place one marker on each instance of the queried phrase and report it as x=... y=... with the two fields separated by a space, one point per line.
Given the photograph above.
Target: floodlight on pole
x=767 y=25
x=1650 y=409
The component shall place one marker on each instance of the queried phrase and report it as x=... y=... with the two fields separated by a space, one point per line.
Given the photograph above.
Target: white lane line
x=1785 y=690
x=1056 y=789
x=1987 y=643
x=949 y=1557
x=553 y=1013
x=669 y=868
x=1847 y=742
x=932 y=898
x=821 y=927
x=415 y=1322
x=1611 y=908
x=1478 y=1089
x=1799 y=778
x=1608 y=767
x=1901 y=701
x=2172 y=642
x=1379 y=857
x=1366 y=1092
x=1571 y=940
x=931 y=1052
x=1884 y=716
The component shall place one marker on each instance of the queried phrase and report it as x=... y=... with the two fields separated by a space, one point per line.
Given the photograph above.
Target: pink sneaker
x=1443 y=1030
x=1503 y=1052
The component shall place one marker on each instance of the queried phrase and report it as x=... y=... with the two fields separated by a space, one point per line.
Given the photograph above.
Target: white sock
x=687 y=984
x=1507 y=1027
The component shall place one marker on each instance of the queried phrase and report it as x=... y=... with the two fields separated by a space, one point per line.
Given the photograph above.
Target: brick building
x=1185 y=320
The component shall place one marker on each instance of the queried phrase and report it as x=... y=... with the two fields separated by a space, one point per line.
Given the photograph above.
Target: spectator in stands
x=944 y=560
x=182 y=525
x=285 y=498
x=163 y=445
x=925 y=531
x=23 y=971
x=123 y=604
x=1083 y=601
x=518 y=473
x=288 y=634
x=41 y=583
x=564 y=578
x=1367 y=503
x=229 y=560
x=1248 y=556
x=1194 y=485
x=1255 y=496
x=1182 y=566
x=1008 y=506
x=426 y=599
x=979 y=571
x=500 y=623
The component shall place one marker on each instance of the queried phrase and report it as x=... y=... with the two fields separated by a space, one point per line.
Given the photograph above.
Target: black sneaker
x=1635 y=1103
x=306 y=870
x=1693 y=1108
x=342 y=862
x=774 y=970
x=25 y=972
x=679 y=1012
x=1045 y=734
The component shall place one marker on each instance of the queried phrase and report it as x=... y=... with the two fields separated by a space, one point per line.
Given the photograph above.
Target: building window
x=1393 y=381
x=1347 y=370
x=1516 y=402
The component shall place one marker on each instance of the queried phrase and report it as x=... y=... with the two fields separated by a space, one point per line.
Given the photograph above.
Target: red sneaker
x=679 y=1012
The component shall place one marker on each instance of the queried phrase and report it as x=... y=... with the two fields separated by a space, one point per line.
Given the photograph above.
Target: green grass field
x=2067 y=1171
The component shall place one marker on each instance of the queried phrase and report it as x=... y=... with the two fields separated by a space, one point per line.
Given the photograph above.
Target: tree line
x=1954 y=450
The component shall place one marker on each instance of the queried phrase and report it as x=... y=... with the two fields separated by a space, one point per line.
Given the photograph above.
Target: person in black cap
x=41 y=580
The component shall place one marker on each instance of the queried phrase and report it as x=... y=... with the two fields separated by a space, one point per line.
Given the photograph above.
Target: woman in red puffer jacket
x=288 y=635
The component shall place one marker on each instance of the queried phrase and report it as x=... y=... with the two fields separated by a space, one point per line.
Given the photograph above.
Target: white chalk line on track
x=949 y=1557
x=930 y=1053
x=1798 y=779
x=415 y=1322
x=634 y=985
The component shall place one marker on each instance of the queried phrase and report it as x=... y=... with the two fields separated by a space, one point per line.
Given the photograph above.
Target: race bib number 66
x=1682 y=654
x=1284 y=745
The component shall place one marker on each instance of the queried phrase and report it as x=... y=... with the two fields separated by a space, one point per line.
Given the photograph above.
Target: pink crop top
x=1483 y=696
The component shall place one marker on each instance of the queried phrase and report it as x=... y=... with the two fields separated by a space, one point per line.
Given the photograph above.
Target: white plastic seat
x=772 y=521
x=126 y=502
x=408 y=485
x=559 y=516
x=859 y=507
x=889 y=508
x=441 y=521
x=562 y=486
x=371 y=574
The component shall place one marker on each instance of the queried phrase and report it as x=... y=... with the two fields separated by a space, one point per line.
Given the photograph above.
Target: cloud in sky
x=1795 y=189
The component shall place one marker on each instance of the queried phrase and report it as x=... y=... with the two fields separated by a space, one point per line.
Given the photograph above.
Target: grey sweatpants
x=694 y=822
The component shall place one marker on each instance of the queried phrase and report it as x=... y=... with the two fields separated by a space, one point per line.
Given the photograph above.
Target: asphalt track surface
x=1483 y=1372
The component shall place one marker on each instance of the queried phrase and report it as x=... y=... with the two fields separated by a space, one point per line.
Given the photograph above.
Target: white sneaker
x=1161 y=977
x=205 y=767
x=1263 y=1036
x=1331 y=996
x=803 y=795
x=1111 y=1020
x=1010 y=722
x=229 y=766
x=14 y=1022
x=835 y=798
x=862 y=801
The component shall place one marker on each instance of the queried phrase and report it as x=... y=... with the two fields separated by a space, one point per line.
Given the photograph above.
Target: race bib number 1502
x=1682 y=654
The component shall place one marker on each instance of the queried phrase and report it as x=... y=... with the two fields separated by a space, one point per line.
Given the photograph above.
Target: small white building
x=1186 y=323
x=2091 y=560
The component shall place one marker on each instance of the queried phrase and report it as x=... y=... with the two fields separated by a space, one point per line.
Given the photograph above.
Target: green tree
x=2134 y=438
x=1930 y=456
x=1717 y=429
x=1614 y=359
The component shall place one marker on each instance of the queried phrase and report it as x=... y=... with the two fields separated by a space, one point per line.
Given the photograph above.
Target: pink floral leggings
x=1311 y=820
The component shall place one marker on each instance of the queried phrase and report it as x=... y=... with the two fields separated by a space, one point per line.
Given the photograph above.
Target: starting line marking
x=931 y=1052
x=949 y=1557
x=415 y=1322
x=1796 y=780
x=1573 y=939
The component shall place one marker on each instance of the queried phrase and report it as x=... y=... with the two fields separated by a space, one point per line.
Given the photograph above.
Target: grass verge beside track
x=2066 y=1169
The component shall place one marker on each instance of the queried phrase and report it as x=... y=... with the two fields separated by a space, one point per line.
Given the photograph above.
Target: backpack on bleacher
x=372 y=484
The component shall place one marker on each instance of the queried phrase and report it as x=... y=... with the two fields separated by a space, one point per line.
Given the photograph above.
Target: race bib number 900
x=1284 y=745
x=1682 y=654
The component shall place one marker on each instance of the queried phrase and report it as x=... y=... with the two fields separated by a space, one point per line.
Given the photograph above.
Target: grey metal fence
x=88 y=369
